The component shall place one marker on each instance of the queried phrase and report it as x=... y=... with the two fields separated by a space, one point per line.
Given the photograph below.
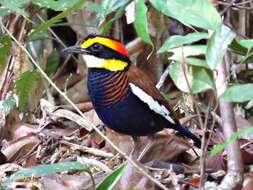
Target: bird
x=124 y=97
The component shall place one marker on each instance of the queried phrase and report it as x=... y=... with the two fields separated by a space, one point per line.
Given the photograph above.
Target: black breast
x=118 y=107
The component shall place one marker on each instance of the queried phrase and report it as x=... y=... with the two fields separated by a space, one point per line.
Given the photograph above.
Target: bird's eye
x=96 y=47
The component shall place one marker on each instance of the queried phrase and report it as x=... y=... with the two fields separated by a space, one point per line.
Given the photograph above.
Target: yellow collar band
x=114 y=65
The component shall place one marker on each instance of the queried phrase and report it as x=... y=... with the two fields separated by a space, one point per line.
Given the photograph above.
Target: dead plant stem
x=203 y=127
x=234 y=177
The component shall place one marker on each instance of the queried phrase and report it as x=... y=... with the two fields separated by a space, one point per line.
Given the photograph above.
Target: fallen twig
x=94 y=162
x=89 y=150
x=55 y=114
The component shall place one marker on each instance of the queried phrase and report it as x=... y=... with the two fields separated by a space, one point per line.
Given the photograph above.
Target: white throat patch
x=92 y=61
x=152 y=103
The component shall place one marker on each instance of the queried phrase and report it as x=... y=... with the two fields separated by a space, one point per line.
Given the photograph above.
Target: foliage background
x=182 y=45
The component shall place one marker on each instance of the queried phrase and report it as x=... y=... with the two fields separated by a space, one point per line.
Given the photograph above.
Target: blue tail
x=185 y=132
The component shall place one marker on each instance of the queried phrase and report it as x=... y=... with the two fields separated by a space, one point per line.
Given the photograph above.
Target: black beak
x=75 y=49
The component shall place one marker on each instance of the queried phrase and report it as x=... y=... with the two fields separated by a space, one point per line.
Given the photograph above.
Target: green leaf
x=24 y=85
x=111 y=180
x=199 y=78
x=247 y=43
x=243 y=47
x=44 y=26
x=199 y=13
x=219 y=148
x=196 y=62
x=42 y=170
x=108 y=25
x=248 y=58
x=217 y=46
x=238 y=93
x=59 y=5
x=4 y=11
x=52 y=63
x=202 y=79
x=5 y=46
x=179 y=54
x=238 y=48
x=177 y=75
x=112 y=5
x=141 y=22
x=178 y=40
x=7 y=105
x=95 y=7
x=187 y=53
x=10 y=6
x=106 y=7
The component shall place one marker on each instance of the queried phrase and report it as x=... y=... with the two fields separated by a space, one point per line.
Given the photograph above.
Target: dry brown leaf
x=163 y=146
x=123 y=142
x=159 y=164
x=216 y=163
x=8 y=168
x=25 y=144
x=72 y=182
x=193 y=181
x=53 y=113
x=166 y=147
x=93 y=117
x=31 y=161
x=132 y=178
x=247 y=156
x=52 y=184
x=24 y=129
x=248 y=182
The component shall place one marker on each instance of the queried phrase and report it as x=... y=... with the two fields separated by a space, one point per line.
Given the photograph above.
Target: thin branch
x=8 y=74
x=244 y=2
x=237 y=6
x=229 y=6
x=90 y=150
x=234 y=176
x=202 y=125
x=163 y=78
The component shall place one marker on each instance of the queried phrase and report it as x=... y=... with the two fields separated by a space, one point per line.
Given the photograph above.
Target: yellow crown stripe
x=104 y=41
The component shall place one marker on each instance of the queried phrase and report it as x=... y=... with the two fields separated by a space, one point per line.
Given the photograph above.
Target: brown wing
x=140 y=79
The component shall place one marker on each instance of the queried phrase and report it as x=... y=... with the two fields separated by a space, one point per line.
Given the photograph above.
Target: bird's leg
x=137 y=146
x=146 y=148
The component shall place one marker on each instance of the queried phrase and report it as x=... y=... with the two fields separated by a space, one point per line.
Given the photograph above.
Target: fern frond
x=24 y=85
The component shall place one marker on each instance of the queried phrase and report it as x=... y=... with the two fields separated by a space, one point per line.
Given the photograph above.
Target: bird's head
x=102 y=52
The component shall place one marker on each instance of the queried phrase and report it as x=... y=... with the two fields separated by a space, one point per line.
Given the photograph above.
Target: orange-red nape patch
x=113 y=44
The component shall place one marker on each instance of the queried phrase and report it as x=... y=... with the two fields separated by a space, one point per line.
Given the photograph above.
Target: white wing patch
x=152 y=103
